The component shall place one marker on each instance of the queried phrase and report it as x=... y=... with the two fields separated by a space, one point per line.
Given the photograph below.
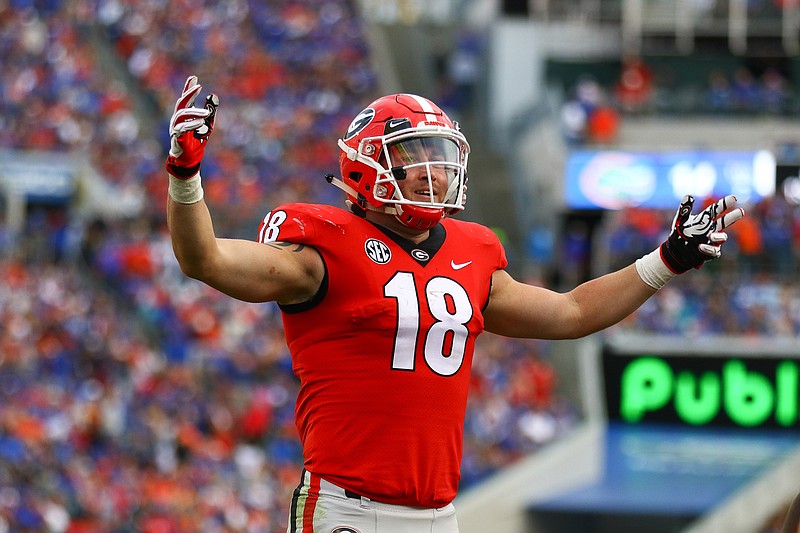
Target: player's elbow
x=196 y=267
x=191 y=270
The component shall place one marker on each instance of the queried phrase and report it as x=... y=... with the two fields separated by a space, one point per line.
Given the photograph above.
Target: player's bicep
x=519 y=310
x=274 y=271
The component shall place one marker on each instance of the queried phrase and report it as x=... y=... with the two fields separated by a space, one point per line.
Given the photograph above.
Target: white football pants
x=319 y=506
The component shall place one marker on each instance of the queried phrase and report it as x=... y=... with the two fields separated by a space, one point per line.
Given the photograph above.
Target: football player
x=382 y=303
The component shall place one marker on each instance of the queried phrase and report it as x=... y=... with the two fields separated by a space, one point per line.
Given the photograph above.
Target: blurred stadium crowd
x=135 y=399
x=751 y=290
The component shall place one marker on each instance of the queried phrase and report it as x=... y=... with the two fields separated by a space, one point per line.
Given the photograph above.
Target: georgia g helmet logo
x=361 y=121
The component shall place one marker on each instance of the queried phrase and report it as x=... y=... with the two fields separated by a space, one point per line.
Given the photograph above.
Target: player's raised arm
x=520 y=310
x=243 y=269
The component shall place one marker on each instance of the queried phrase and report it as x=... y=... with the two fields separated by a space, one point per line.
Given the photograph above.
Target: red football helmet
x=397 y=135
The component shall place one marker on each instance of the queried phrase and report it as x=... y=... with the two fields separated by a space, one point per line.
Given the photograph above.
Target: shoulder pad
x=475 y=232
x=299 y=222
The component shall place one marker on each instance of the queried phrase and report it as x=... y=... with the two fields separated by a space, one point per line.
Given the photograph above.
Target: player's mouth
x=426 y=194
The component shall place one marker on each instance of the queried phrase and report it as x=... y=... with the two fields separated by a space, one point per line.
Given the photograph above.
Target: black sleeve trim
x=489 y=295
x=315 y=300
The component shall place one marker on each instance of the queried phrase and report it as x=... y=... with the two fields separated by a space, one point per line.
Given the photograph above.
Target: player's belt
x=327 y=486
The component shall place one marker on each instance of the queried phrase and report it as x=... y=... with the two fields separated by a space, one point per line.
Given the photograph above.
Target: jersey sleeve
x=487 y=244
x=498 y=250
x=288 y=223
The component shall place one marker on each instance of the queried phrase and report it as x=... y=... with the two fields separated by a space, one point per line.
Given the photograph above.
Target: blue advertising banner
x=597 y=179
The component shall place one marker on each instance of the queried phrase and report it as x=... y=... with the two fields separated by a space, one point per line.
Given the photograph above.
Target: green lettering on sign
x=749 y=397
x=646 y=386
x=786 y=381
x=697 y=403
x=767 y=393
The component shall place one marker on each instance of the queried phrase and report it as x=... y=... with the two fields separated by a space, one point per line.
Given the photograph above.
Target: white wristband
x=653 y=271
x=185 y=191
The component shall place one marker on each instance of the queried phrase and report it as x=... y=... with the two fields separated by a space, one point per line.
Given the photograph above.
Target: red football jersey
x=384 y=351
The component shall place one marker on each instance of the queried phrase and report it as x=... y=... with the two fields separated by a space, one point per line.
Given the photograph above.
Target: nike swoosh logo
x=459 y=266
x=396 y=122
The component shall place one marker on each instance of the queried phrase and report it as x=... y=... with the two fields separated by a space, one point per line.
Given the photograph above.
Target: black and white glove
x=695 y=239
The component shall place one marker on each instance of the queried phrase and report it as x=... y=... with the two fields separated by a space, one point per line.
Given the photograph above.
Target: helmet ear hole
x=355 y=176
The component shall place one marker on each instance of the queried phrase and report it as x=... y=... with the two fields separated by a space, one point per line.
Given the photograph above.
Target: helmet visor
x=420 y=150
x=439 y=159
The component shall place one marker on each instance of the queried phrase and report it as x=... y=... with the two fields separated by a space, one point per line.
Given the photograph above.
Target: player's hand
x=695 y=239
x=189 y=130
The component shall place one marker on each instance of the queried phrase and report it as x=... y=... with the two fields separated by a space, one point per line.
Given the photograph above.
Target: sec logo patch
x=378 y=251
x=345 y=530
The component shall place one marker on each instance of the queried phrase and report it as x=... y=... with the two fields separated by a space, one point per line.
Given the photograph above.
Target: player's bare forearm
x=193 y=239
x=519 y=310
x=606 y=300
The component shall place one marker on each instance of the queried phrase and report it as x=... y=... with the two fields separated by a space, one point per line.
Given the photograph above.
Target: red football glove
x=189 y=129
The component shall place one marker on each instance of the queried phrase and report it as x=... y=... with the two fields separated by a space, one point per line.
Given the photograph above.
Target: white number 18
x=446 y=340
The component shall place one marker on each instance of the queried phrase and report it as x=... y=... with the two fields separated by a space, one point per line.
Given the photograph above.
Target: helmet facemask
x=438 y=159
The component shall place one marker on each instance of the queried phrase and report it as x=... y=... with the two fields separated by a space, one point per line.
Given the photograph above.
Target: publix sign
x=699 y=391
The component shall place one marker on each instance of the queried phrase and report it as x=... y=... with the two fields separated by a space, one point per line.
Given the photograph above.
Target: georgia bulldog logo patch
x=420 y=255
x=378 y=251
